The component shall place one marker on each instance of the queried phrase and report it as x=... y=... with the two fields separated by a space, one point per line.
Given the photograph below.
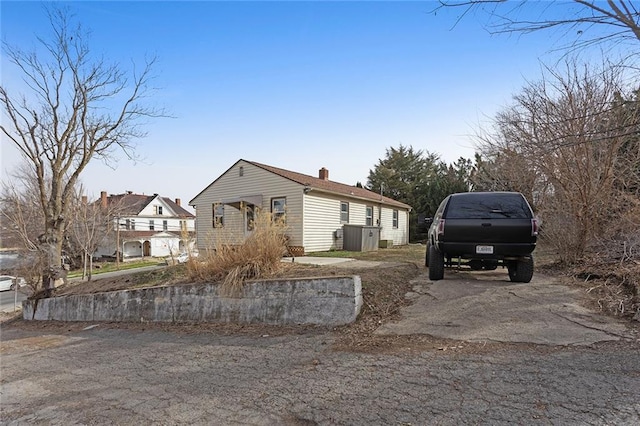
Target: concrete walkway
x=310 y=260
x=340 y=262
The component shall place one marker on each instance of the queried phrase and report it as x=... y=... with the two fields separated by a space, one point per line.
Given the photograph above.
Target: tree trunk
x=90 y=267
x=51 y=248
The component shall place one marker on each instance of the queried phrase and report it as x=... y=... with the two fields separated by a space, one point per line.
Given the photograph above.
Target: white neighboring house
x=319 y=213
x=147 y=225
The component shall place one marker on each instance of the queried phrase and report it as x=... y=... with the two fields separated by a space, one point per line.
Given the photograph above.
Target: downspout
x=380 y=208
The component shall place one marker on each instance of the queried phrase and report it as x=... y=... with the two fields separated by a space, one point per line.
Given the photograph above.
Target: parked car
x=7 y=282
x=483 y=230
x=184 y=257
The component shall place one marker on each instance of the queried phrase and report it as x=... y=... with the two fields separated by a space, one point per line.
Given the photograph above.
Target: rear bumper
x=500 y=251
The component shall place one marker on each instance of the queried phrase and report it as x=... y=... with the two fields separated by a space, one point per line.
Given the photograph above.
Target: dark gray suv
x=483 y=230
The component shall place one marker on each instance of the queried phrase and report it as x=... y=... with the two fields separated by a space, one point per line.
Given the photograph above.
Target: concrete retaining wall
x=321 y=301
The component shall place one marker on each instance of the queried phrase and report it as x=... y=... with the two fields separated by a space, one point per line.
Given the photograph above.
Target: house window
x=218 y=215
x=157 y=210
x=165 y=225
x=133 y=225
x=240 y=171
x=278 y=208
x=395 y=219
x=127 y=224
x=250 y=212
x=344 y=212
x=369 y=216
x=152 y=225
x=183 y=225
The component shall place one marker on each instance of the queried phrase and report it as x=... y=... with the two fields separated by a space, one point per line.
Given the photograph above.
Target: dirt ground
x=384 y=293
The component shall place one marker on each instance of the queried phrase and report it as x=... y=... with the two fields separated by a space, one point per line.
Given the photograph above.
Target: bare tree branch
x=79 y=108
x=577 y=133
x=618 y=20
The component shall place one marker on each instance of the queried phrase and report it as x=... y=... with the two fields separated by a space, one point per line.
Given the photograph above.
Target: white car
x=7 y=282
x=183 y=257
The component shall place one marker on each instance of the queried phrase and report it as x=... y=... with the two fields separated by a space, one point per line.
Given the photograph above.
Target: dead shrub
x=259 y=255
x=614 y=286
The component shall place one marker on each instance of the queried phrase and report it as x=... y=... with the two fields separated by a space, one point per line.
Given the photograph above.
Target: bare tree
x=569 y=131
x=92 y=224
x=79 y=108
x=22 y=220
x=20 y=209
x=614 y=21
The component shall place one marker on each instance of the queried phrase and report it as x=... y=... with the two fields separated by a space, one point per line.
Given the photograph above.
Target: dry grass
x=609 y=278
x=259 y=256
x=614 y=288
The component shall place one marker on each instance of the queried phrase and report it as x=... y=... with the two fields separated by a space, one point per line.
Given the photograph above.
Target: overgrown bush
x=258 y=256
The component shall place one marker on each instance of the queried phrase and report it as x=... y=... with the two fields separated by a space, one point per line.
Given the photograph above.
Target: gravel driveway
x=486 y=306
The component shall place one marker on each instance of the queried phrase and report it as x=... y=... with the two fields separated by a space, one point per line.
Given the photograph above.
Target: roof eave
x=356 y=197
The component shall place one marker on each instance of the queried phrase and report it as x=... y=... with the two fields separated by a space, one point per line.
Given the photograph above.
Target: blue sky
x=296 y=85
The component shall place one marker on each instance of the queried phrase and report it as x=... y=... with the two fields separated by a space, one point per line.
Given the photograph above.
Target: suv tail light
x=534 y=227
x=441 y=227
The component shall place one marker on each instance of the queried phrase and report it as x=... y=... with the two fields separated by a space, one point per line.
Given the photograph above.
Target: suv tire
x=436 y=263
x=426 y=256
x=521 y=270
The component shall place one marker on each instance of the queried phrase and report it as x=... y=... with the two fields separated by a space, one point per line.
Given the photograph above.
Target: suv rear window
x=488 y=206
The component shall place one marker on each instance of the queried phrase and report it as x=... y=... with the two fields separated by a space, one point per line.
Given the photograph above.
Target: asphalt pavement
x=103 y=375
x=513 y=354
x=10 y=301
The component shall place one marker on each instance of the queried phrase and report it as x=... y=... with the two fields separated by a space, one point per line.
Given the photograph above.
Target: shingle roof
x=330 y=186
x=133 y=204
x=179 y=210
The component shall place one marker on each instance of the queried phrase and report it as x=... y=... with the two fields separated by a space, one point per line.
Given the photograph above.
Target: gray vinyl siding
x=400 y=236
x=255 y=181
x=321 y=220
x=357 y=213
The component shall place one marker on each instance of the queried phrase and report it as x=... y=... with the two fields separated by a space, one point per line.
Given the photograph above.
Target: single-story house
x=146 y=225
x=320 y=214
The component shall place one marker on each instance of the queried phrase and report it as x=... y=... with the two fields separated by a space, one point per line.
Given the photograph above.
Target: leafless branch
x=79 y=108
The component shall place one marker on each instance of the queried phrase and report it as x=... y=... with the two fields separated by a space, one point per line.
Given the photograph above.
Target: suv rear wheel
x=435 y=263
x=521 y=270
x=426 y=256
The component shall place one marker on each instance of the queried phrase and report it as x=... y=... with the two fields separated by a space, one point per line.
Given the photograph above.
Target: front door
x=146 y=248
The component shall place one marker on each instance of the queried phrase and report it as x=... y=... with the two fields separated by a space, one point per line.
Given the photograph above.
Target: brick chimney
x=178 y=201
x=103 y=199
x=323 y=174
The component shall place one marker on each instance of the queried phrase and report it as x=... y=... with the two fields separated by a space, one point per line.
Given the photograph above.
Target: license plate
x=484 y=249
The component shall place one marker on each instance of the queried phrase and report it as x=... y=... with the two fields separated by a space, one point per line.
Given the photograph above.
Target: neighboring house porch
x=146 y=225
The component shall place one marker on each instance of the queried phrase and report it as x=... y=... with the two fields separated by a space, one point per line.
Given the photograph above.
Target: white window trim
x=342 y=220
x=218 y=223
x=275 y=214
x=368 y=219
